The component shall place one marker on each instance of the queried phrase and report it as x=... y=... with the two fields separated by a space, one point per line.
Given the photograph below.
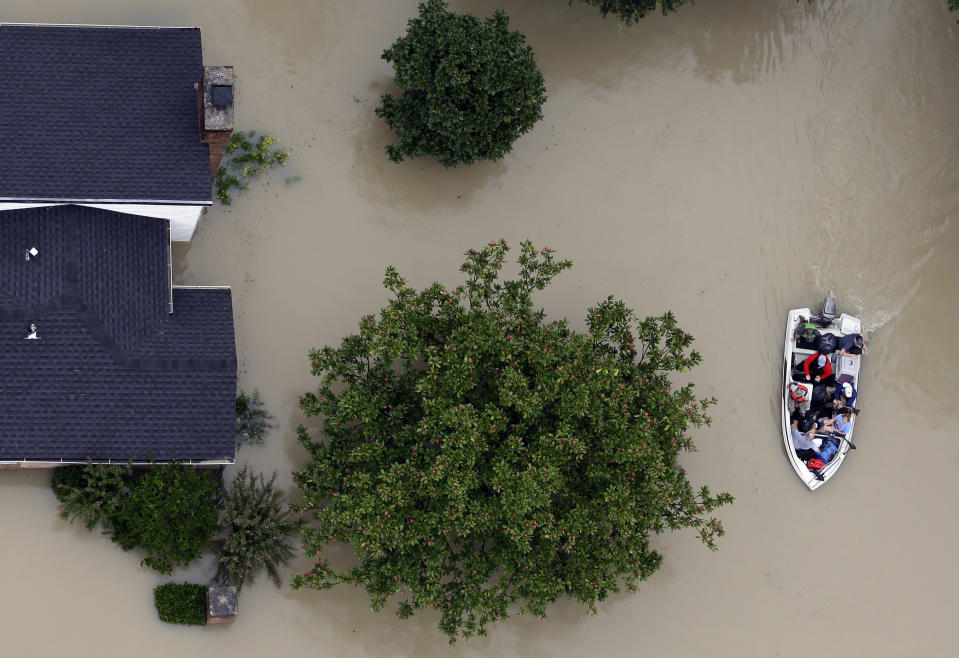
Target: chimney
x=215 y=110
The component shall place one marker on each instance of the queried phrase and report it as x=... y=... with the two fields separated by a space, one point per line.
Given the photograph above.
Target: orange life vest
x=798 y=393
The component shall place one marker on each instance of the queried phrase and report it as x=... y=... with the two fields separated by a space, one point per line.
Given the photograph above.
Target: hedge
x=181 y=604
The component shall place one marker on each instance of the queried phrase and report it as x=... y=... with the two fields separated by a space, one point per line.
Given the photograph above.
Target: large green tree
x=630 y=11
x=470 y=88
x=482 y=460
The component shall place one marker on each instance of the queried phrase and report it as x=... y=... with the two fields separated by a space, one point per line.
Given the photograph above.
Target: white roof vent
x=31 y=253
x=33 y=333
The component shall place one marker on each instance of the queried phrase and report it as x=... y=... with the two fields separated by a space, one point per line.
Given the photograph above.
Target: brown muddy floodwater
x=727 y=162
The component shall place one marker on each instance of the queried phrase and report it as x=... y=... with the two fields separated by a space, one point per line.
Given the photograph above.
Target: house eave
x=154 y=202
x=129 y=27
x=50 y=463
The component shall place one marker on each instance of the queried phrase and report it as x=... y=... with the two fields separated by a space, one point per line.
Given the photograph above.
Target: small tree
x=171 y=513
x=91 y=493
x=630 y=11
x=470 y=88
x=483 y=461
x=253 y=421
x=258 y=526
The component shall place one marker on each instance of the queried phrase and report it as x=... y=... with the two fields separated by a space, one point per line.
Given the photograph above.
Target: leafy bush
x=181 y=603
x=470 y=88
x=245 y=158
x=253 y=421
x=630 y=11
x=171 y=513
x=91 y=493
x=257 y=525
x=484 y=461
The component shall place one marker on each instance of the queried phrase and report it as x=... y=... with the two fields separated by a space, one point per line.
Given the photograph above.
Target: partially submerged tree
x=484 y=461
x=171 y=513
x=470 y=88
x=258 y=526
x=91 y=493
x=630 y=11
x=253 y=421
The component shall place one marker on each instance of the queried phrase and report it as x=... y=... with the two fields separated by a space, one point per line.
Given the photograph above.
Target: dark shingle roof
x=113 y=375
x=101 y=113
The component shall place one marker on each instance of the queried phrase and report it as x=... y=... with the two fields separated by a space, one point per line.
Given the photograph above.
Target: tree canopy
x=257 y=525
x=170 y=510
x=470 y=88
x=171 y=513
x=484 y=461
x=630 y=11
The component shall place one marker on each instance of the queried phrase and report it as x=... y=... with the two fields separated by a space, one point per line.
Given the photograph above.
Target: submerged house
x=125 y=119
x=110 y=137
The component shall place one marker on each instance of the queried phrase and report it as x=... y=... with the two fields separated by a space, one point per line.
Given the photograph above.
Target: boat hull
x=848 y=365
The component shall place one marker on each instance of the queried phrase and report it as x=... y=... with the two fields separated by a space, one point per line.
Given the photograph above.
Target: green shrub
x=181 y=604
x=470 y=88
x=91 y=493
x=171 y=513
x=253 y=421
x=257 y=525
x=245 y=157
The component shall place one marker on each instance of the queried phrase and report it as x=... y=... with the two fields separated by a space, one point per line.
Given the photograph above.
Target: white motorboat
x=845 y=369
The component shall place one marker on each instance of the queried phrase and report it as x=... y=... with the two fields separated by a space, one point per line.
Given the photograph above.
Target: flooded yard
x=727 y=162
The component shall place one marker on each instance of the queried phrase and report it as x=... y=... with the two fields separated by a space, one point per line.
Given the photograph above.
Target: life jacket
x=815 y=464
x=808 y=332
x=798 y=393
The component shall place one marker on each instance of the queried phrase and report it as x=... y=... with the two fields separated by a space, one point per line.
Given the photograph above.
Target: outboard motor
x=828 y=312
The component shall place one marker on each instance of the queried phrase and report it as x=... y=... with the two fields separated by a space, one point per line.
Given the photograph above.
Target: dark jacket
x=848 y=343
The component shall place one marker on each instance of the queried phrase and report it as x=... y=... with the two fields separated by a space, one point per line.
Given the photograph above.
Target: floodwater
x=728 y=162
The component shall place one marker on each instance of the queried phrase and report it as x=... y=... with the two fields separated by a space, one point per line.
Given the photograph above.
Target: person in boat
x=799 y=398
x=806 y=334
x=818 y=368
x=844 y=396
x=852 y=345
x=841 y=423
x=803 y=442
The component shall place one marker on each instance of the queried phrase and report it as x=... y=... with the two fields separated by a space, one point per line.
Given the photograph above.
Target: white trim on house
x=183 y=218
x=133 y=27
x=28 y=463
x=152 y=202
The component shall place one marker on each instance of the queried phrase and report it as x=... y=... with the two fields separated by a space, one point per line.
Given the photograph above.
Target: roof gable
x=112 y=374
x=115 y=266
x=101 y=114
